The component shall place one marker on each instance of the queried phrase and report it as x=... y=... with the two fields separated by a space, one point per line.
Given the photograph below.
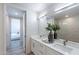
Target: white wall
x=32 y=27
x=2 y=43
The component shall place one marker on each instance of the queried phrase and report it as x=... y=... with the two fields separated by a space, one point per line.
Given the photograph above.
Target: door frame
x=24 y=31
x=6 y=27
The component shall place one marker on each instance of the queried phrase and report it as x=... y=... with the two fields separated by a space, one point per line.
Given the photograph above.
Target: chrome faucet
x=64 y=42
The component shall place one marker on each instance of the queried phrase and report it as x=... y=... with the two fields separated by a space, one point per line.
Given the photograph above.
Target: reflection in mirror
x=42 y=24
x=69 y=23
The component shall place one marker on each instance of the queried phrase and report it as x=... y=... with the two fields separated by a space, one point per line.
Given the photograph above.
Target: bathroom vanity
x=43 y=47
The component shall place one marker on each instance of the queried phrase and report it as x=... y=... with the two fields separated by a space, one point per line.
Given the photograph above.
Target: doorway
x=16 y=38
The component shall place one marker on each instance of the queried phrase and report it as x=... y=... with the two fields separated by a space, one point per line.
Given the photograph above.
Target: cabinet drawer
x=37 y=47
x=34 y=44
x=52 y=51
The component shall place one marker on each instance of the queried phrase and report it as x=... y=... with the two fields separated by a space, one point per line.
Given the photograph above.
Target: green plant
x=55 y=27
x=49 y=27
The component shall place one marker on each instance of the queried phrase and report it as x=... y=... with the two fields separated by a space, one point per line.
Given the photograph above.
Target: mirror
x=68 y=20
x=42 y=24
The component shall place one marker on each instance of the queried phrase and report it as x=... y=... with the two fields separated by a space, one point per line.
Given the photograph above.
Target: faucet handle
x=64 y=42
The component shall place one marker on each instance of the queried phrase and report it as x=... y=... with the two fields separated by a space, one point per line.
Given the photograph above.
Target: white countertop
x=73 y=46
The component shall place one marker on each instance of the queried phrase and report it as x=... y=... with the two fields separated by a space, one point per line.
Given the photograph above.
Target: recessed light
x=66 y=16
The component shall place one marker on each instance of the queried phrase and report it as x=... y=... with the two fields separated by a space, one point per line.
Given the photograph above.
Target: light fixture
x=43 y=14
x=63 y=7
x=66 y=8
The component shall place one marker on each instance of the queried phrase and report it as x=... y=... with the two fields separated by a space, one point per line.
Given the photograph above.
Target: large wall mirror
x=68 y=19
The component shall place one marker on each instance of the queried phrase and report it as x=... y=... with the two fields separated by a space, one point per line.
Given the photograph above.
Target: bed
x=15 y=36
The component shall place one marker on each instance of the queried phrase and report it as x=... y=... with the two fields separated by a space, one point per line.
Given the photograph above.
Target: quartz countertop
x=72 y=46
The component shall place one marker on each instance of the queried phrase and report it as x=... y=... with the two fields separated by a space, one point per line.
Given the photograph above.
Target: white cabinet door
x=35 y=47
x=32 y=44
x=41 y=48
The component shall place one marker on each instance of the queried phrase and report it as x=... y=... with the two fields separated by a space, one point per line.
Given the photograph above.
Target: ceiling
x=14 y=12
x=38 y=7
x=44 y=7
x=70 y=13
x=35 y=7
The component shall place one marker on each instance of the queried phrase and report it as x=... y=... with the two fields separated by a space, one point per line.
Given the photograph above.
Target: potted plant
x=55 y=27
x=50 y=36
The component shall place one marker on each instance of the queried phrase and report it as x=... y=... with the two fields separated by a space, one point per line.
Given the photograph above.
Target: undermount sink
x=63 y=48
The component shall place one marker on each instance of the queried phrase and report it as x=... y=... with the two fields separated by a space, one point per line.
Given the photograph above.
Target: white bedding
x=15 y=36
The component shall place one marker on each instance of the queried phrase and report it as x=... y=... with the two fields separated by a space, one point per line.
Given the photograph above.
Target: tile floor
x=16 y=44
x=16 y=52
x=15 y=48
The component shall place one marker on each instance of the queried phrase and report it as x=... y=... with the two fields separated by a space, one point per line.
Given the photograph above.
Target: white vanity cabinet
x=39 y=48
